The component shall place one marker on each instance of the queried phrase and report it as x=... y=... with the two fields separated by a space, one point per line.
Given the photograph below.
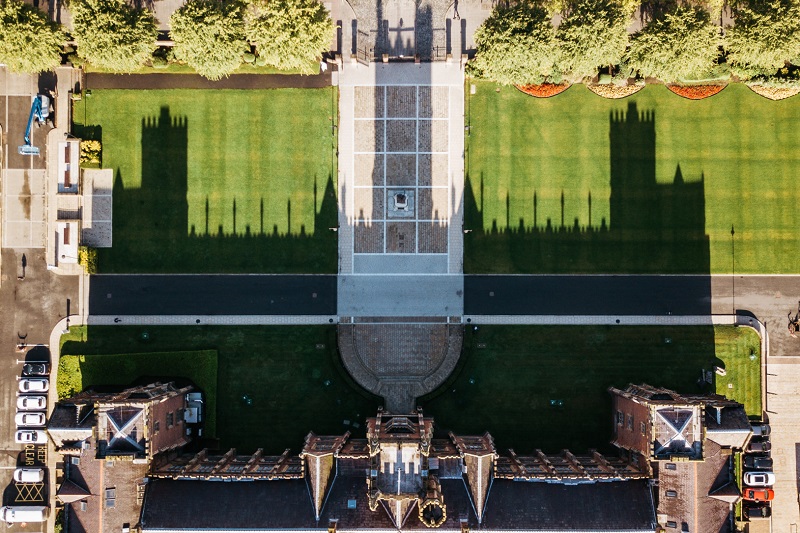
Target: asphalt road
x=587 y=295
x=121 y=295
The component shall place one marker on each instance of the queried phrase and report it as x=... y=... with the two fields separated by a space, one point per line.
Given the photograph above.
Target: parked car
x=34 y=385
x=30 y=436
x=24 y=513
x=759 y=479
x=758 y=495
x=757 y=462
x=35 y=369
x=28 y=475
x=761 y=430
x=32 y=403
x=759 y=446
x=762 y=510
x=30 y=419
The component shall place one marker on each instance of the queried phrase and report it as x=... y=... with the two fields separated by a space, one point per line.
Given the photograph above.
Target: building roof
x=286 y=504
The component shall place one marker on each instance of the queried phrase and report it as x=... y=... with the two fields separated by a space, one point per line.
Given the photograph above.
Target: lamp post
x=733 y=270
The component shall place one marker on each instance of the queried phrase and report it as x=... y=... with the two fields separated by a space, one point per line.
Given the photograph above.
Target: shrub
x=87 y=258
x=261 y=61
x=90 y=152
x=249 y=58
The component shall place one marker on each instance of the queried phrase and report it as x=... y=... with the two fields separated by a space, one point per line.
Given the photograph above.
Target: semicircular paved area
x=400 y=361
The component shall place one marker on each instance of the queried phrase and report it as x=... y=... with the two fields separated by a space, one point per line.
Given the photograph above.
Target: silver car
x=34 y=385
x=759 y=479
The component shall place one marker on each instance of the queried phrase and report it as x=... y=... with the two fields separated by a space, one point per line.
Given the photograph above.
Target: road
x=120 y=295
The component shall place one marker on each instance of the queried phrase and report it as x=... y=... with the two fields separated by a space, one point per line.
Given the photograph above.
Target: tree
x=112 y=34
x=29 y=42
x=209 y=36
x=679 y=46
x=765 y=35
x=289 y=34
x=516 y=45
x=593 y=33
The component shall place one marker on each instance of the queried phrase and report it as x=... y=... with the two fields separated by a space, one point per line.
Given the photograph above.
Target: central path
x=401 y=284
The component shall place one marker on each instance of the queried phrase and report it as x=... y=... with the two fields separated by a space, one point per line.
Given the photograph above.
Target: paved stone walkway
x=400 y=361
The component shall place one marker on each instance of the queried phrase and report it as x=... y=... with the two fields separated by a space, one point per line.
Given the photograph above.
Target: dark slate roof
x=193 y=505
x=286 y=504
x=619 y=505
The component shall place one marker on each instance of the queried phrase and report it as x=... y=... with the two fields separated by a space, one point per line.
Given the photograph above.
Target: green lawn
x=651 y=183
x=291 y=375
x=217 y=181
x=509 y=374
x=76 y=372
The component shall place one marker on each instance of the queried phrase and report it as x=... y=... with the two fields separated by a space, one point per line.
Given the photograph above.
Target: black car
x=758 y=511
x=35 y=369
x=757 y=462
x=759 y=446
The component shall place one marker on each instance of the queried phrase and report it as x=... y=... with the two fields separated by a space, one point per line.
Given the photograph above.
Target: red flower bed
x=545 y=90
x=696 y=92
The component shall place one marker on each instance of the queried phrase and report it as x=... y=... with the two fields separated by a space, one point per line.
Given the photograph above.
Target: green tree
x=29 y=42
x=112 y=34
x=516 y=45
x=594 y=33
x=765 y=35
x=289 y=34
x=209 y=36
x=681 y=45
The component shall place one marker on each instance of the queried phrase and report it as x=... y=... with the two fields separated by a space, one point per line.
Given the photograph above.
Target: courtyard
x=531 y=387
x=653 y=183
x=217 y=180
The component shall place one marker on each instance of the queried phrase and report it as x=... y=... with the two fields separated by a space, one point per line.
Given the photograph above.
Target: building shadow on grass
x=151 y=223
x=654 y=227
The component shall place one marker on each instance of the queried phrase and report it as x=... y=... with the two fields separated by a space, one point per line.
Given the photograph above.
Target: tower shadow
x=155 y=234
x=654 y=228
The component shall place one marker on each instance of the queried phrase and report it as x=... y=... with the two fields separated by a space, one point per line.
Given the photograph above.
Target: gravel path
x=195 y=81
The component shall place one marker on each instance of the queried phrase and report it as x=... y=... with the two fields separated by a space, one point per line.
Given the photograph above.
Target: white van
x=28 y=475
x=17 y=514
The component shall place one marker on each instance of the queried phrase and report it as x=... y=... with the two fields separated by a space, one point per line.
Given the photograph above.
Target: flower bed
x=614 y=91
x=774 y=93
x=695 y=92
x=545 y=90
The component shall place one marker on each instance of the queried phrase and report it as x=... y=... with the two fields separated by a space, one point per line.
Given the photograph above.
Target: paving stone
x=433 y=237
x=401 y=135
x=432 y=204
x=368 y=238
x=433 y=170
x=433 y=102
x=369 y=204
x=369 y=102
x=402 y=101
x=369 y=169
x=401 y=170
x=401 y=237
x=369 y=135
x=433 y=136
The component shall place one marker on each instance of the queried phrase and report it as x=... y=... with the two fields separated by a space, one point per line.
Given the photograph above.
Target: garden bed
x=774 y=93
x=544 y=90
x=695 y=92
x=614 y=91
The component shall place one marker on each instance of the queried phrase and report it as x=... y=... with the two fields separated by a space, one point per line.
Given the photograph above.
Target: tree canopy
x=765 y=35
x=112 y=34
x=592 y=34
x=289 y=34
x=516 y=45
x=209 y=36
x=679 y=46
x=29 y=42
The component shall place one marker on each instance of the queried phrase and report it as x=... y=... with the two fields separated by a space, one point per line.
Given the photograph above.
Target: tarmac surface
x=587 y=295
x=120 y=295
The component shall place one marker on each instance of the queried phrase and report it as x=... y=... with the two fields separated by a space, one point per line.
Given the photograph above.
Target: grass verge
x=275 y=383
x=652 y=183
x=510 y=374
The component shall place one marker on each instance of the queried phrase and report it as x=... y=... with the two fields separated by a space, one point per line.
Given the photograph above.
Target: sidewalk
x=195 y=81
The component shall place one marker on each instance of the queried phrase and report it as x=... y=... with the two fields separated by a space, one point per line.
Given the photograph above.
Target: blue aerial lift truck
x=40 y=111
